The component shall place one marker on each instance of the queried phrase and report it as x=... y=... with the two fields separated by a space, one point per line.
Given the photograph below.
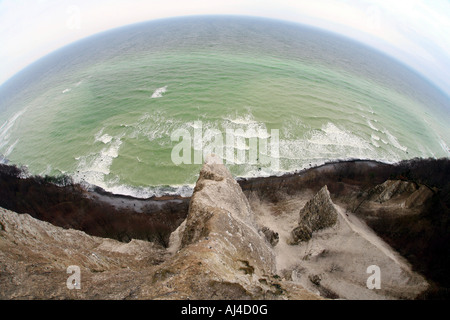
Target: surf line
x=212 y=142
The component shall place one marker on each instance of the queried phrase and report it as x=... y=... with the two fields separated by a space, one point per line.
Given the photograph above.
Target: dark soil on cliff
x=96 y=212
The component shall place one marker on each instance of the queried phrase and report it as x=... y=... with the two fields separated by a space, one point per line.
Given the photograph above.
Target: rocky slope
x=35 y=255
x=217 y=253
x=328 y=250
x=318 y=213
x=235 y=243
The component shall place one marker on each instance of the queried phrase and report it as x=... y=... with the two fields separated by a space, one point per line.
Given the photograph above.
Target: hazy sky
x=416 y=32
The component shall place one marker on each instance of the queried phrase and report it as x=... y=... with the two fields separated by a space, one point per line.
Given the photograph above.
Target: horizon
x=427 y=57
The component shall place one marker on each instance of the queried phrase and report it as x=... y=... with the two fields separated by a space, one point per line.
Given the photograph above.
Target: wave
x=372 y=126
x=158 y=93
x=93 y=167
x=8 y=124
x=155 y=127
x=331 y=143
x=3 y=125
x=5 y=132
x=246 y=120
x=302 y=148
x=105 y=138
x=444 y=146
x=394 y=141
x=245 y=127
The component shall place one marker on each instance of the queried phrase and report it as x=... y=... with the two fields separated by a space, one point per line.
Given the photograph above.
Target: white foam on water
x=259 y=133
x=155 y=127
x=66 y=90
x=375 y=140
x=372 y=126
x=245 y=120
x=331 y=135
x=290 y=128
x=158 y=93
x=202 y=139
x=444 y=146
x=393 y=140
x=240 y=144
x=5 y=133
x=4 y=124
x=10 y=122
x=211 y=139
x=245 y=127
x=105 y=138
x=94 y=167
x=98 y=134
x=330 y=143
x=195 y=125
x=375 y=144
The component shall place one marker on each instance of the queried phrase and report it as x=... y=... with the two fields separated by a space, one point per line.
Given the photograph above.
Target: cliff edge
x=219 y=252
x=298 y=238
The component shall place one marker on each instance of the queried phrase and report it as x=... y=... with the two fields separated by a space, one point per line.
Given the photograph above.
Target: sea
x=108 y=110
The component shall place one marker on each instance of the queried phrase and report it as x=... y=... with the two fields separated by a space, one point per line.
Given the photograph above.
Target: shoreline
x=67 y=180
x=242 y=180
x=60 y=201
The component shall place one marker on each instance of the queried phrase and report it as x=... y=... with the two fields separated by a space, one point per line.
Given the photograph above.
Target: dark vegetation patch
x=58 y=201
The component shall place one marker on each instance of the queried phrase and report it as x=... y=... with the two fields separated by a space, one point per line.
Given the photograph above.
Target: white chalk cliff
x=231 y=246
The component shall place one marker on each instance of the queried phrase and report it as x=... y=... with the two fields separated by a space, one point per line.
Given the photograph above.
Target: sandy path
x=339 y=255
x=364 y=231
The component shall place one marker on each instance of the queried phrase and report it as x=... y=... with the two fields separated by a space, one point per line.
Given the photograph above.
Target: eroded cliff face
x=219 y=252
x=233 y=244
x=318 y=213
x=328 y=249
x=35 y=255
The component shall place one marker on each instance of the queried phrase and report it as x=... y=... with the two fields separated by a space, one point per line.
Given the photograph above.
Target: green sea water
x=103 y=110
